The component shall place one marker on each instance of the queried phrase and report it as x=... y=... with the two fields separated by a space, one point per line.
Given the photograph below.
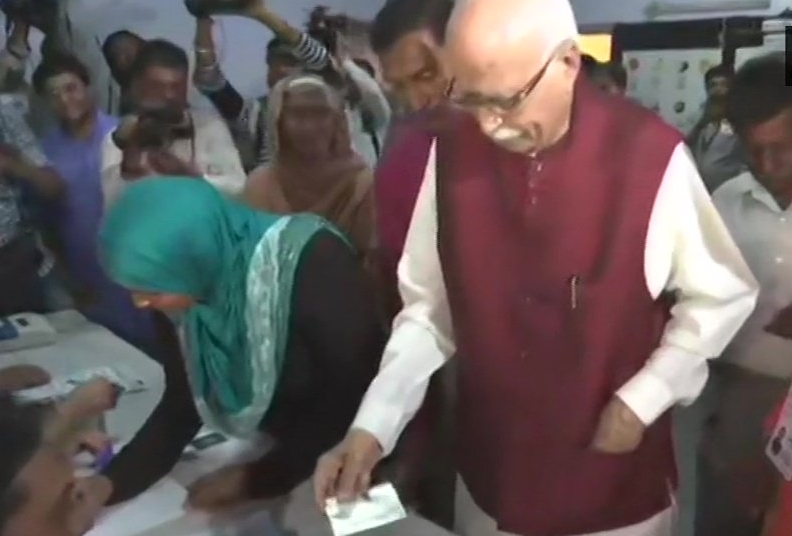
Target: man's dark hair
x=110 y=42
x=21 y=430
x=618 y=74
x=159 y=53
x=758 y=92
x=612 y=70
x=719 y=71
x=280 y=50
x=56 y=64
x=398 y=18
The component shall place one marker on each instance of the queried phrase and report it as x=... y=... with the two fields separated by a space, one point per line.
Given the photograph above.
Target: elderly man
x=566 y=250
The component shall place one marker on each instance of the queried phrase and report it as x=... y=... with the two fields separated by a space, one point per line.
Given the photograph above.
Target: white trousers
x=472 y=521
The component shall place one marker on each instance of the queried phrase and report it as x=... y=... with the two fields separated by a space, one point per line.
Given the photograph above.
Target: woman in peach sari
x=314 y=167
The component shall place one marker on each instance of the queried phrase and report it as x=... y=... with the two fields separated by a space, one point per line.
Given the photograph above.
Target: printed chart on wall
x=670 y=82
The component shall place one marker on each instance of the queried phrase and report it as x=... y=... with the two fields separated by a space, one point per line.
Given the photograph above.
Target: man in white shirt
x=544 y=261
x=165 y=137
x=753 y=376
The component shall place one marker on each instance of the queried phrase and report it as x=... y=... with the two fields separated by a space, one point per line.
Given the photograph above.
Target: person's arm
x=208 y=77
x=30 y=165
x=14 y=57
x=692 y=137
x=112 y=180
x=334 y=311
x=689 y=252
x=156 y=448
x=422 y=338
x=372 y=98
x=313 y=54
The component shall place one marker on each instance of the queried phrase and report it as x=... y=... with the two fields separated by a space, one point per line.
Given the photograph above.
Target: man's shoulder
x=207 y=120
x=733 y=189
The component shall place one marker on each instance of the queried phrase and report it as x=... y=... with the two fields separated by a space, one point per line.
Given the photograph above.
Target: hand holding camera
x=145 y=139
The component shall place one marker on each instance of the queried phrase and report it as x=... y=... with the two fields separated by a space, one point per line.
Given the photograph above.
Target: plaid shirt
x=14 y=131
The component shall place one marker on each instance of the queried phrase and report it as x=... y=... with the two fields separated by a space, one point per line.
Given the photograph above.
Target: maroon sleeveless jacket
x=543 y=261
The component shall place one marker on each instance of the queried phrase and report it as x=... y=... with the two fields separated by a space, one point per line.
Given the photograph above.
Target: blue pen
x=104 y=458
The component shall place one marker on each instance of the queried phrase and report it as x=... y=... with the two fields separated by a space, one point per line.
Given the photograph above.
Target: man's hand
x=134 y=164
x=345 y=471
x=781 y=324
x=127 y=128
x=91 y=399
x=620 y=431
x=18 y=377
x=167 y=163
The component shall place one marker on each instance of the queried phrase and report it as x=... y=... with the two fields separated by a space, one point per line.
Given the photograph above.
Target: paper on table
x=381 y=508
x=162 y=503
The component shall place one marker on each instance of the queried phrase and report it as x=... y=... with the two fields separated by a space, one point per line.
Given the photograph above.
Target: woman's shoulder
x=261 y=173
x=326 y=245
x=262 y=191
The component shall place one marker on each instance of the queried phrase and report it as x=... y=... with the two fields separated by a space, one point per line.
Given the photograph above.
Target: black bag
x=41 y=14
x=206 y=8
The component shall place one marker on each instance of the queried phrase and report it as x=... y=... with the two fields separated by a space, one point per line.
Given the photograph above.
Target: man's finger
x=364 y=483
x=325 y=478
x=349 y=481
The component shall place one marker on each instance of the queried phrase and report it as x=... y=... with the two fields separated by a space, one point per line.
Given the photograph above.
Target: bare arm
x=372 y=98
x=14 y=57
x=208 y=77
x=30 y=166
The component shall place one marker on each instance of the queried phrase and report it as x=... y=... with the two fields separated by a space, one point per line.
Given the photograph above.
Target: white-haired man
x=564 y=248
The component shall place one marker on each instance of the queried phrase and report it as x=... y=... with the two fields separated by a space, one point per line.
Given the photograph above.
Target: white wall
x=607 y=12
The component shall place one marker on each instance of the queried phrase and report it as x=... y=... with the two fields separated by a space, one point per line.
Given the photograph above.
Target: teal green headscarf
x=179 y=235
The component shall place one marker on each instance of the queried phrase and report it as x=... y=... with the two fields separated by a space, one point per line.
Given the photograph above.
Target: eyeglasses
x=499 y=105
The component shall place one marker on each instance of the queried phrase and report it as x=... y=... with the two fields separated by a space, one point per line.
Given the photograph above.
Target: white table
x=82 y=345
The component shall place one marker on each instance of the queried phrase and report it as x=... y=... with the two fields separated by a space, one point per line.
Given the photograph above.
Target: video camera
x=157 y=128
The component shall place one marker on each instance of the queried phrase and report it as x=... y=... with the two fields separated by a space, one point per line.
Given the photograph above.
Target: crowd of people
x=303 y=264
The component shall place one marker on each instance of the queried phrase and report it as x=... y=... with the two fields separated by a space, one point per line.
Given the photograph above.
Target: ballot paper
x=161 y=504
x=61 y=387
x=380 y=508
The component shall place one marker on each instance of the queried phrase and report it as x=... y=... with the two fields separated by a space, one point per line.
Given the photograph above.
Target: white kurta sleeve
x=219 y=160
x=422 y=338
x=112 y=182
x=689 y=252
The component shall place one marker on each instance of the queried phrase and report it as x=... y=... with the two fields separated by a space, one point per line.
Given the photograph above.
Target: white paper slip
x=162 y=503
x=381 y=508
x=61 y=387
x=779 y=448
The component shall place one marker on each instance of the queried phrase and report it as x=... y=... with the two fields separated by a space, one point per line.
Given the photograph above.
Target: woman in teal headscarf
x=279 y=333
